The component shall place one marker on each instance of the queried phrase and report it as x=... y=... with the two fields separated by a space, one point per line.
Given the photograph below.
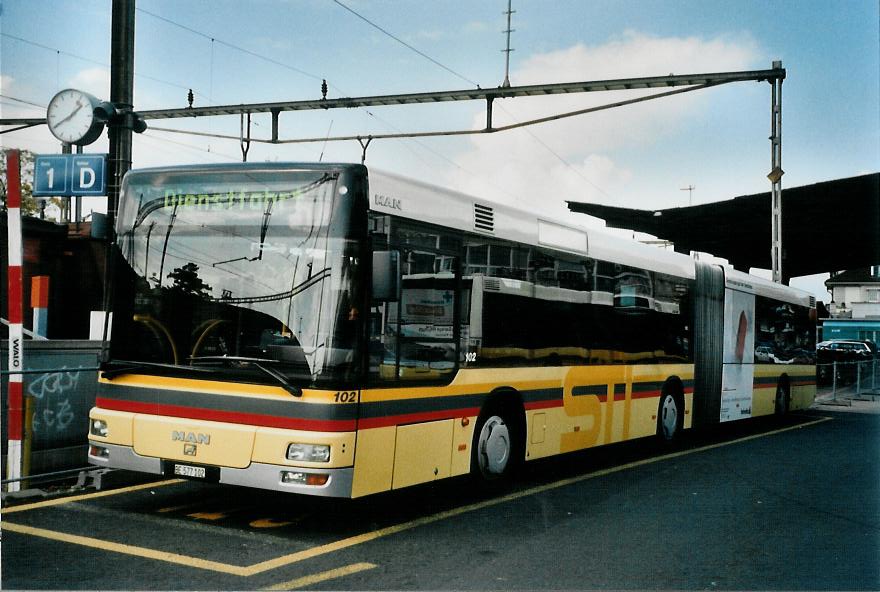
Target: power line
x=23 y=101
x=105 y=65
x=506 y=83
x=230 y=45
x=405 y=44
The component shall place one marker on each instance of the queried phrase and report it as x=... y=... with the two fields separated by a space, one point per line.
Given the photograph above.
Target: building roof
x=825 y=227
x=853 y=277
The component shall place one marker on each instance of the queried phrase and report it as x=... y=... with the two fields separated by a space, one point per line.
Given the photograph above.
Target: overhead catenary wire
x=60 y=52
x=505 y=84
x=405 y=44
x=231 y=45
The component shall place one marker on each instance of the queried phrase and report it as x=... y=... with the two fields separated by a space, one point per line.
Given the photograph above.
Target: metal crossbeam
x=455 y=95
x=470 y=94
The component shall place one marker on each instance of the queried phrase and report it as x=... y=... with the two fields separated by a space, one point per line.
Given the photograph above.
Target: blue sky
x=714 y=140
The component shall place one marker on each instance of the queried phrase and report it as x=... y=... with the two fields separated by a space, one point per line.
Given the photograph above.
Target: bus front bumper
x=259 y=475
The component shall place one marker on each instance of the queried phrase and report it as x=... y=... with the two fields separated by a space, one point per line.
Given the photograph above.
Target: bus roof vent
x=492 y=284
x=484 y=218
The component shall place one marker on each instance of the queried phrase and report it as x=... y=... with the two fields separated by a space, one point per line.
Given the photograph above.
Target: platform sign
x=70 y=175
x=50 y=175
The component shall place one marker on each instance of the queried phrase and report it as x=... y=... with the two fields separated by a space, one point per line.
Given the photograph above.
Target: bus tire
x=498 y=443
x=783 y=398
x=670 y=415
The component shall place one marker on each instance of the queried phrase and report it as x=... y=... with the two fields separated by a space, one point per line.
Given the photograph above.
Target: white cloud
x=95 y=81
x=516 y=167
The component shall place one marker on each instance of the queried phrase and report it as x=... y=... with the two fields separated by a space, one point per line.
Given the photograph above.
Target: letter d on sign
x=86 y=172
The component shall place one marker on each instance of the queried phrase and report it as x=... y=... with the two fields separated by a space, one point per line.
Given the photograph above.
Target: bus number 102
x=345 y=397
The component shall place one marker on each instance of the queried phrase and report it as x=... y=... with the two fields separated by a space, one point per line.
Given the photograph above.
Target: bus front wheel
x=497 y=445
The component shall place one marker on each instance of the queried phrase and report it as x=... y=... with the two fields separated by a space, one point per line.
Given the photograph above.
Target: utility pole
x=775 y=177
x=508 y=31
x=122 y=96
x=690 y=190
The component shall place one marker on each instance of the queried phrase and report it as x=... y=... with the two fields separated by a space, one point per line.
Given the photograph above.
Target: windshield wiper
x=127 y=366
x=258 y=364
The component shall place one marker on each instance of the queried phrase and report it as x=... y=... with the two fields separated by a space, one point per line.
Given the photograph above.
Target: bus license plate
x=188 y=471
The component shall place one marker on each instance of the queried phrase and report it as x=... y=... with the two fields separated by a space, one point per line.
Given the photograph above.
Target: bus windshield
x=246 y=273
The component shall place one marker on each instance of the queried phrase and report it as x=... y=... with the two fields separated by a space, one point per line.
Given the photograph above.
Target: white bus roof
x=408 y=198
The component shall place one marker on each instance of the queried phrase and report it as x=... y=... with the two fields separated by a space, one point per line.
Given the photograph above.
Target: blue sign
x=70 y=175
x=50 y=175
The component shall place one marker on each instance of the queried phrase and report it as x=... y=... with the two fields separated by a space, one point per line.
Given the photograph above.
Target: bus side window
x=414 y=338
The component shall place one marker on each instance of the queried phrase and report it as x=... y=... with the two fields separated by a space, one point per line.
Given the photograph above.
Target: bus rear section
x=755 y=347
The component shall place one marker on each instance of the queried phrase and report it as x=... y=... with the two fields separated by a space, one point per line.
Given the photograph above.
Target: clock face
x=71 y=117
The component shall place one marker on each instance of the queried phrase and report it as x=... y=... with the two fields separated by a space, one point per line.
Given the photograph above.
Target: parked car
x=846 y=352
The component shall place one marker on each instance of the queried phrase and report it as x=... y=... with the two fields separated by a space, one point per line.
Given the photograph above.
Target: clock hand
x=79 y=106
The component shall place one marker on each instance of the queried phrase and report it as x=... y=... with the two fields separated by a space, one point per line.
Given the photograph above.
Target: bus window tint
x=784 y=333
x=576 y=310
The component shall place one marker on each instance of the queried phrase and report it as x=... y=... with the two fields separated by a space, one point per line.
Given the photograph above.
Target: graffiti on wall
x=52 y=391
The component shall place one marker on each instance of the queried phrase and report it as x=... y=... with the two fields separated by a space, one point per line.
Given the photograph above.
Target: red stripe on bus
x=547 y=404
x=254 y=419
x=393 y=420
x=646 y=394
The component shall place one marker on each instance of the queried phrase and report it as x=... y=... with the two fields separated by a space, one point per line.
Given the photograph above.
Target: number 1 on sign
x=51 y=174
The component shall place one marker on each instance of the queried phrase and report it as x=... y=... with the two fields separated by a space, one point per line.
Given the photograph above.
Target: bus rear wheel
x=782 y=401
x=669 y=417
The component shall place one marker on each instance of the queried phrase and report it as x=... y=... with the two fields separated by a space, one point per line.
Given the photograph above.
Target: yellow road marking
x=373 y=535
x=180 y=507
x=87 y=496
x=208 y=515
x=269 y=523
x=125 y=549
x=313 y=579
x=383 y=532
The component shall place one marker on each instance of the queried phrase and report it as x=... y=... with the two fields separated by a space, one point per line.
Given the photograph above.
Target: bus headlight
x=98 y=427
x=309 y=452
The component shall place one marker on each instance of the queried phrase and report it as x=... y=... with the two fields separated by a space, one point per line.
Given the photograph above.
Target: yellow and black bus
x=314 y=329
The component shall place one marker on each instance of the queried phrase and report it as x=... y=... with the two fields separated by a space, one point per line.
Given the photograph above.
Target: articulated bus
x=312 y=329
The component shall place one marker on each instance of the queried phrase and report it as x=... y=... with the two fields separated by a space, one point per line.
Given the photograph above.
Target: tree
x=186 y=279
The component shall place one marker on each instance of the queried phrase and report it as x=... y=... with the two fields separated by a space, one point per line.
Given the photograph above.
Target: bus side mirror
x=386 y=276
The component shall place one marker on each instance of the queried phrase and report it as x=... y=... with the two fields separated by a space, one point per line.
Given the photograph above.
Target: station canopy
x=826 y=227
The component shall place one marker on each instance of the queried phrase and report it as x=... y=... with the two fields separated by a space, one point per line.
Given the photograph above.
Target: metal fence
x=842 y=382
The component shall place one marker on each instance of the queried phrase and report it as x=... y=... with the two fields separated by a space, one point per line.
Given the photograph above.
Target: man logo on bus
x=387 y=201
x=190 y=437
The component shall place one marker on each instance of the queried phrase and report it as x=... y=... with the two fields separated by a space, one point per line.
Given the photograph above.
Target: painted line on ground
x=296 y=557
x=86 y=496
x=125 y=549
x=383 y=532
x=309 y=581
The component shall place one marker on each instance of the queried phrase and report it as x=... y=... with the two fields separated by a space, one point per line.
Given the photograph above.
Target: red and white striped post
x=15 y=314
